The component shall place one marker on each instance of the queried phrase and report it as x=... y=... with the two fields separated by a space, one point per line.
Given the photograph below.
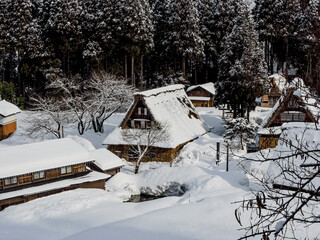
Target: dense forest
x=153 y=43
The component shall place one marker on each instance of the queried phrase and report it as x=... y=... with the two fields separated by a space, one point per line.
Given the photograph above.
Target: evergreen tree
x=242 y=67
x=63 y=31
x=186 y=33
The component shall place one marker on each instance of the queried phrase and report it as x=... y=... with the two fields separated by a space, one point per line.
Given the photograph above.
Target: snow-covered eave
x=90 y=177
x=44 y=169
x=157 y=91
x=207 y=89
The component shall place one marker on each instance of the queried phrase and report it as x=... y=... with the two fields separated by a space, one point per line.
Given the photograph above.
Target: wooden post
x=62 y=132
x=218 y=153
x=227 y=162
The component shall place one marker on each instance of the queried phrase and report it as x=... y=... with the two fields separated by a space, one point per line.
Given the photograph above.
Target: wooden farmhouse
x=35 y=170
x=8 y=119
x=169 y=105
x=276 y=85
x=296 y=105
x=202 y=95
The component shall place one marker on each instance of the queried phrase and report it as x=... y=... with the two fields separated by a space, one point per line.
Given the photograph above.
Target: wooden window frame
x=11 y=182
x=66 y=170
x=41 y=174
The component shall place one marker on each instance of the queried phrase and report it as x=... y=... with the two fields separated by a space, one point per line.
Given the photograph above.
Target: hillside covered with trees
x=153 y=43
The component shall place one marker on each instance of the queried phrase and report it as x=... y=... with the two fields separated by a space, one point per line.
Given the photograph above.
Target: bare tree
x=288 y=193
x=108 y=94
x=92 y=101
x=70 y=92
x=143 y=141
x=48 y=117
x=286 y=179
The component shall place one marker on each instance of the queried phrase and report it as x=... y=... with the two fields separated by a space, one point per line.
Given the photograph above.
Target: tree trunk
x=184 y=67
x=286 y=59
x=207 y=70
x=126 y=67
x=195 y=75
x=141 y=74
x=132 y=72
x=241 y=142
x=2 y=67
x=271 y=56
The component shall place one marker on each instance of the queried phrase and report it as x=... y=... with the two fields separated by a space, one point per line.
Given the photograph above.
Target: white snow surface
x=17 y=160
x=209 y=87
x=7 y=109
x=169 y=106
x=105 y=159
x=203 y=212
x=199 y=98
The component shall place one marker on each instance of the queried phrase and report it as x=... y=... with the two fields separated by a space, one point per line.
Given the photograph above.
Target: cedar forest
x=151 y=43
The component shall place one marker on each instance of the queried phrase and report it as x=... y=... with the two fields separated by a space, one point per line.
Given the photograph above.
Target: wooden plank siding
x=266 y=141
x=7 y=130
x=50 y=174
x=157 y=154
x=200 y=92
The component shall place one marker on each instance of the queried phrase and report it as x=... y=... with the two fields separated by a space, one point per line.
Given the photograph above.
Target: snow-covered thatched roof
x=310 y=101
x=7 y=109
x=170 y=106
x=40 y=156
x=279 y=81
x=209 y=87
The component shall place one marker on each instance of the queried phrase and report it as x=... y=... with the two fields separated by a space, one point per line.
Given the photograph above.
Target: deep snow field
x=204 y=211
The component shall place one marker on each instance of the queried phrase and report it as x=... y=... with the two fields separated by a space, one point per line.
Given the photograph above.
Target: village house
x=8 y=119
x=35 y=170
x=202 y=95
x=296 y=105
x=276 y=84
x=169 y=105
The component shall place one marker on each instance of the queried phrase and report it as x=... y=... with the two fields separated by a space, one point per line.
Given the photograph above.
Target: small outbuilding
x=202 y=95
x=8 y=118
x=169 y=105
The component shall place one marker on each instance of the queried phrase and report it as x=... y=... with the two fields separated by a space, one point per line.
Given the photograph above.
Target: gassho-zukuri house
x=169 y=105
x=40 y=169
x=297 y=105
x=202 y=95
x=8 y=119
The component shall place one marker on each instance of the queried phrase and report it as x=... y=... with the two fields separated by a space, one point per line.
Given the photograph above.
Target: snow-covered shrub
x=240 y=129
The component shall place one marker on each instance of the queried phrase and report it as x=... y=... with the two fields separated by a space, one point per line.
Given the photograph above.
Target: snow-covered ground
x=204 y=211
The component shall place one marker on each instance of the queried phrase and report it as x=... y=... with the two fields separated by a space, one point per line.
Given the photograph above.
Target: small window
x=139 y=110
x=143 y=124
x=145 y=111
x=10 y=180
x=69 y=169
x=132 y=123
x=38 y=175
x=63 y=170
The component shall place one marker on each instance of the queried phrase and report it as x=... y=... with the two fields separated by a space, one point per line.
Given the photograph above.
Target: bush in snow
x=240 y=129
